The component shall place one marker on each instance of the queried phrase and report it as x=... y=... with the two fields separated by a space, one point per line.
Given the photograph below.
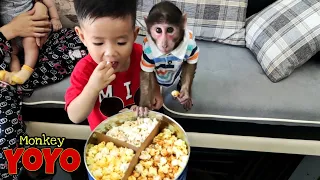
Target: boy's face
x=109 y=39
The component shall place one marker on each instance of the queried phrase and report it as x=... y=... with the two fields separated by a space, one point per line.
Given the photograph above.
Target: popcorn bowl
x=164 y=123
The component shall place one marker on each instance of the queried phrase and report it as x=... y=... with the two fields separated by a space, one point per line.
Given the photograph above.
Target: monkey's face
x=165 y=36
x=109 y=39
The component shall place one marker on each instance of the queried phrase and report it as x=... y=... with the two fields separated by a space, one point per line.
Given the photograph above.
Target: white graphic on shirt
x=127 y=85
x=109 y=92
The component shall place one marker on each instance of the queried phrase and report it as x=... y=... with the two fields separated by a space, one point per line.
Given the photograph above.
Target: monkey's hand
x=185 y=99
x=140 y=111
x=143 y=108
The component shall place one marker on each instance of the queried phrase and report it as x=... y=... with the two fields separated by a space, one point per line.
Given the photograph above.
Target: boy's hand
x=101 y=77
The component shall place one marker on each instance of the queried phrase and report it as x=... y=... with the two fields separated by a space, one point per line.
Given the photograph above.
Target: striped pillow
x=284 y=36
x=220 y=21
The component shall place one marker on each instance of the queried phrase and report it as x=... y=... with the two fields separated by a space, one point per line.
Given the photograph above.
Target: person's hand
x=101 y=77
x=185 y=99
x=29 y=25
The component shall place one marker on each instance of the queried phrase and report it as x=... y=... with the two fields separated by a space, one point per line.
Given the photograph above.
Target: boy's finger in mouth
x=114 y=64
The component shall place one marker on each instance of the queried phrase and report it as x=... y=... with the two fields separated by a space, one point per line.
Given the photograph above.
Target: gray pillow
x=284 y=36
x=219 y=21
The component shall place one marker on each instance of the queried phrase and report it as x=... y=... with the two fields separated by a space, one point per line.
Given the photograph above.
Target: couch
x=236 y=106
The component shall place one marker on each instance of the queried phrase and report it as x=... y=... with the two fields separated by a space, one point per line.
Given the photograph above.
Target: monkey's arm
x=147 y=65
x=189 y=68
x=145 y=85
x=188 y=71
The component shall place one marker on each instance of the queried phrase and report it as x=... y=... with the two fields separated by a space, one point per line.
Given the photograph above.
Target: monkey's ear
x=145 y=18
x=185 y=19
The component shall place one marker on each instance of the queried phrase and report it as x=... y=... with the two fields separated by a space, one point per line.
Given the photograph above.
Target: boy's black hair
x=94 y=9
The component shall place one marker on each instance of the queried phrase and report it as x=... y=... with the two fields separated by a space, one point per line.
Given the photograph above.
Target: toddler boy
x=112 y=67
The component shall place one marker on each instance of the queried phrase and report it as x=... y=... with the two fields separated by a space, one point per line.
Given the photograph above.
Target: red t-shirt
x=121 y=93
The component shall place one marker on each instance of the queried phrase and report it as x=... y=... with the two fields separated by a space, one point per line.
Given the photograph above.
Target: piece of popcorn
x=132 y=178
x=108 y=170
x=124 y=167
x=175 y=169
x=153 y=171
x=175 y=162
x=169 y=142
x=109 y=145
x=175 y=93
x=139 y=168
x=145 y=173
x=163 y=161
x=161 y=174
x=145 y=155
x=184 y=158
x=164 y=169
x=97 y=173
x=146 y=164
x=157 y=158
x=164 y=152
x=169 y=150
x=171 y=175
x=177 y=152
x=114 y=175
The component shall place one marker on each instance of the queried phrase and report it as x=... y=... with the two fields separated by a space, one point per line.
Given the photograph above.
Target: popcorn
x=106 y=161
x=133 y=132
x=139 y=168
x=153 y=171
x=164 y=159
x=175 y=93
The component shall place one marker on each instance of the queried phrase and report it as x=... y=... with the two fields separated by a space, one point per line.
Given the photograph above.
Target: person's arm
x=7 y=32
x=53 y=12
x=26 y=25
x=80 y=108
x=80 y=99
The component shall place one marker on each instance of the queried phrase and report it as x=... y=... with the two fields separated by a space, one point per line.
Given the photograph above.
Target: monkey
x=169 y=51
